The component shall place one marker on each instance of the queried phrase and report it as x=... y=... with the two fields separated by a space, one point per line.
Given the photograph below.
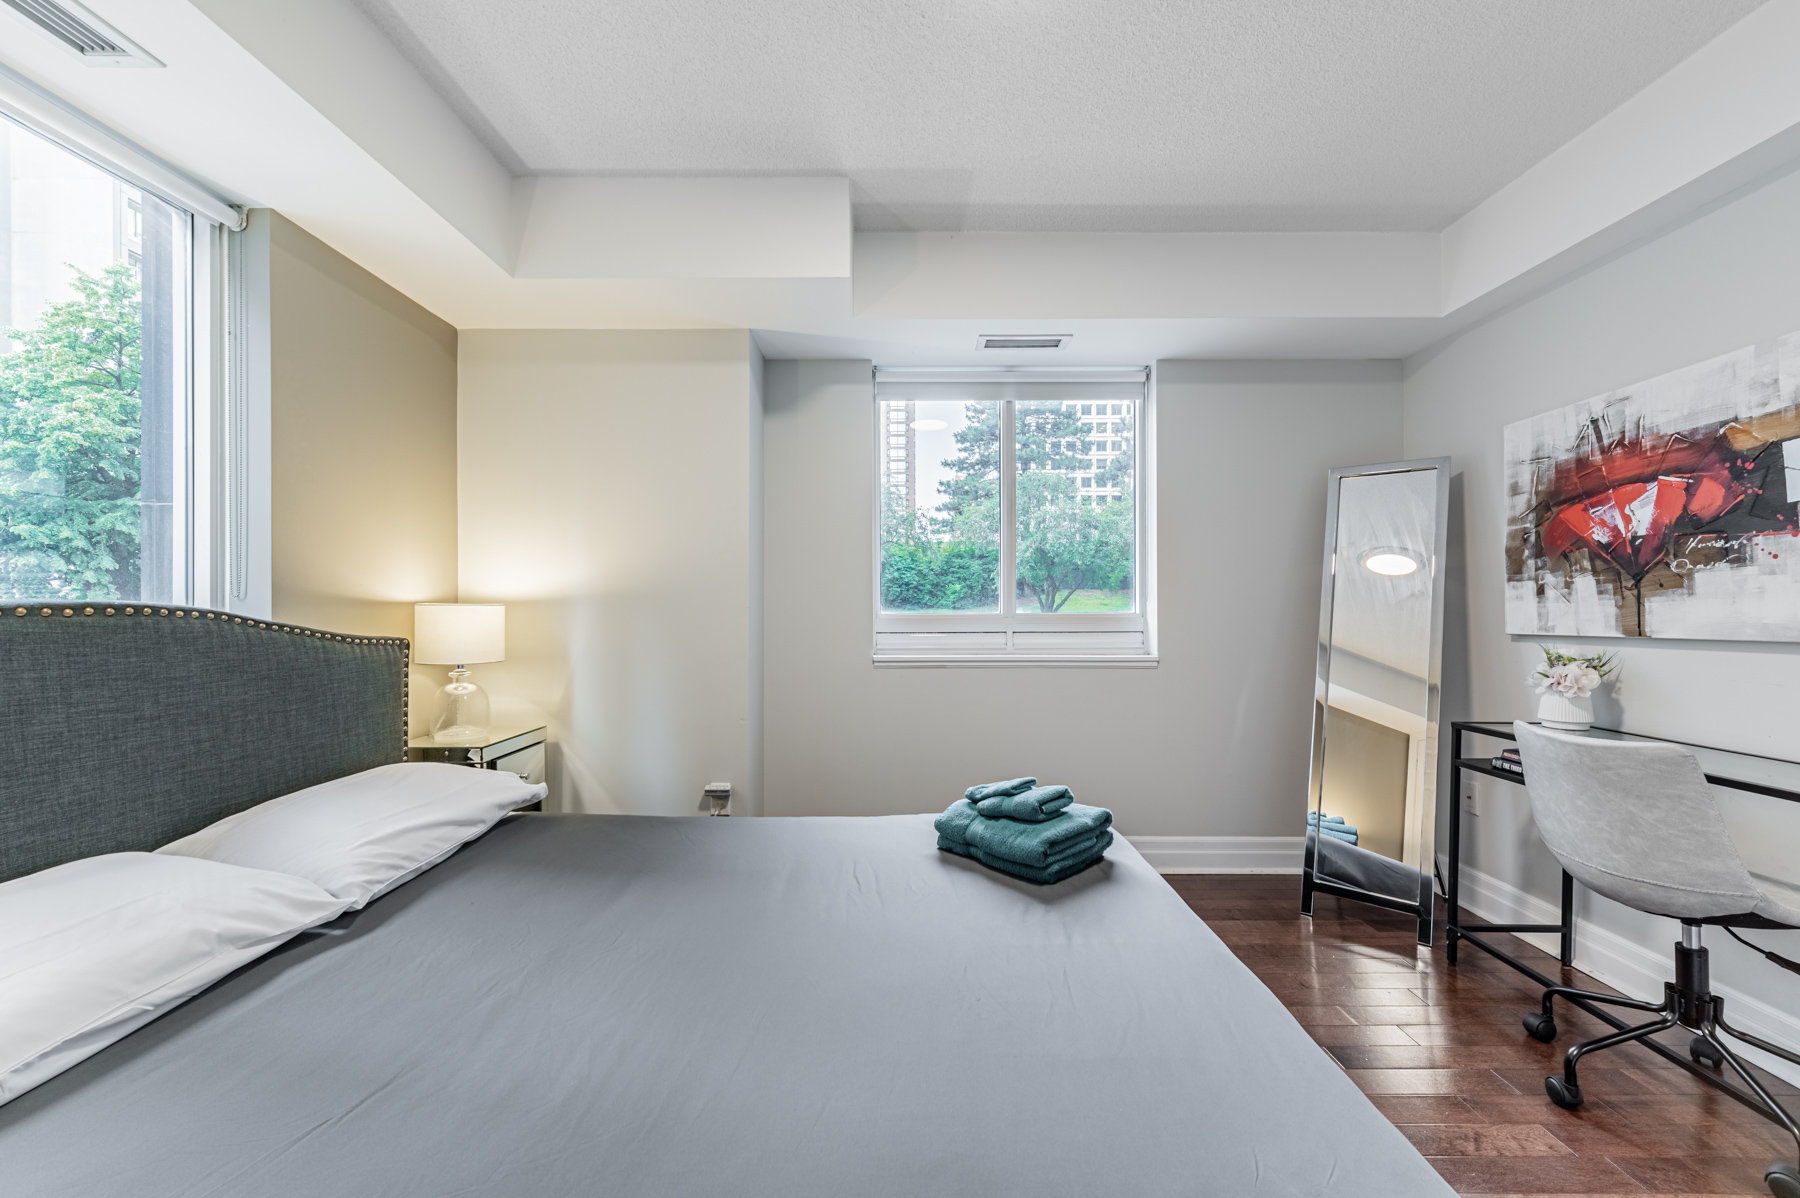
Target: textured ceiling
x=1056 y=115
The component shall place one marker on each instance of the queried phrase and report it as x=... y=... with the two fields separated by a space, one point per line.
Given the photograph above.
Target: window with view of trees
x=94 y=369
x=1016 y=514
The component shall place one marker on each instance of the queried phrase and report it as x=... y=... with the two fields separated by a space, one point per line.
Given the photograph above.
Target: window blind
x=29 y=105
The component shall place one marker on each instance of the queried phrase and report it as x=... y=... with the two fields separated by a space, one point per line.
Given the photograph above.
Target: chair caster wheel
x=1783 y=1180
x=1569 y=1097
x=1541 y=1026
x=1702 y=1050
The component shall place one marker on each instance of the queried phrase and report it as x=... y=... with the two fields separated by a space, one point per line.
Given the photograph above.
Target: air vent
x=1025 y=341
x=79 y=31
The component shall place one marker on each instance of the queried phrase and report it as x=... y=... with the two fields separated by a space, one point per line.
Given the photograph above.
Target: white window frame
x=204 y=480
x=1010 y=637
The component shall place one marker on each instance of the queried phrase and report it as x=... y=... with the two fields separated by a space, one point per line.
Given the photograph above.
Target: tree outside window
x=93 y=381
x=69 y=445
x=1074 y=500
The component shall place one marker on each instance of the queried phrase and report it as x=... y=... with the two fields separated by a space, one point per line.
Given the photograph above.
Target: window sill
x=928 y=661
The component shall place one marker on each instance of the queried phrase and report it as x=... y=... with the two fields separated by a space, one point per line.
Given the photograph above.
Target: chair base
x=1688 y=1002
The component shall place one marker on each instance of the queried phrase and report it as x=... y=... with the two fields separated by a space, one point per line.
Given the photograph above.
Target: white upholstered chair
x=1636 y=821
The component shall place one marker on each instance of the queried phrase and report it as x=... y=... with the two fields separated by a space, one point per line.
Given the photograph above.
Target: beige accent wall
x=610 y=497
x=1365 y=781
x=363 y=412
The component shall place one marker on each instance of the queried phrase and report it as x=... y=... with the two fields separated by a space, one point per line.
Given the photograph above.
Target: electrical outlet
x=1471 y=800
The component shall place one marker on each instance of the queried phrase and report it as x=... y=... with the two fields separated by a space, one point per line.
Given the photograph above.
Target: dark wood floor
x=1441 y=1052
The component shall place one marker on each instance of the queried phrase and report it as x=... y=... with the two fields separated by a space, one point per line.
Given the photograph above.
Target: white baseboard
x=1631 y=968
x=1221 y=854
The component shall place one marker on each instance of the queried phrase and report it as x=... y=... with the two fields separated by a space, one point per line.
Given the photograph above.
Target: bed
x=637 y=1005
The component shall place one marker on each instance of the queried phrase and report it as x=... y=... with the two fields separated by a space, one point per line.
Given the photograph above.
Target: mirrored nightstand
x=516 y=750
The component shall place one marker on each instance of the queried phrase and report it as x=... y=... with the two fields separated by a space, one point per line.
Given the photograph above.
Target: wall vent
x=78 y=30
x=1023 y=340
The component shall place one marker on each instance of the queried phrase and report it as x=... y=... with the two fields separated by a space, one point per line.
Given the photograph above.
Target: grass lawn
x=1097 y=601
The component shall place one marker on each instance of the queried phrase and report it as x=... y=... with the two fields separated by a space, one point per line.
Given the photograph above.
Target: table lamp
x=459 y=634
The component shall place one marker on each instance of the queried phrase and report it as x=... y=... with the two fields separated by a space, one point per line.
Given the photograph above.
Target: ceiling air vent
x=1021 y=340
x=79 y=31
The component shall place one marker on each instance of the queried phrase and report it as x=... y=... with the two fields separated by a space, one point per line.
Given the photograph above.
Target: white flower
x=1577 y=680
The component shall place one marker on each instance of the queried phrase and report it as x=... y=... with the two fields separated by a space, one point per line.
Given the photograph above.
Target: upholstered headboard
x=126 y=726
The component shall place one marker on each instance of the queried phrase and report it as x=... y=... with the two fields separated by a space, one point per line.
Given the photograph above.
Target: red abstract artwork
x=1663 y=509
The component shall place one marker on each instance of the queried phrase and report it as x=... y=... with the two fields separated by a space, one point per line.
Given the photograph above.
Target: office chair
x=1636 y=822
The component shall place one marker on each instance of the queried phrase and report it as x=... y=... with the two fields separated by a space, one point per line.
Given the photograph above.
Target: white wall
x=1213 y=743
x=607 y=491
x=1721 y=282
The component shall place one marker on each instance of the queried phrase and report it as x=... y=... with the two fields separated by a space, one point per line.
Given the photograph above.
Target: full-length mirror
x=1373 y=795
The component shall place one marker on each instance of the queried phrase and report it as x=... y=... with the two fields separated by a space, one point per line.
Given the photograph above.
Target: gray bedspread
x=618 y=1005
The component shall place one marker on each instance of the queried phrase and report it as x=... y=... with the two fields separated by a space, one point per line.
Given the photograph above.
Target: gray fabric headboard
x=127 y=726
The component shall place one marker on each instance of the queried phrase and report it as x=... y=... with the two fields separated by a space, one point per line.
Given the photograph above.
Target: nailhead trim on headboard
x=224 y=617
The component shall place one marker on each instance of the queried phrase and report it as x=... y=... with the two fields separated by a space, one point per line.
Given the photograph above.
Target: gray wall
x=609 y=497
x=363 y=468
x=1212 y=743
x=1721 y=282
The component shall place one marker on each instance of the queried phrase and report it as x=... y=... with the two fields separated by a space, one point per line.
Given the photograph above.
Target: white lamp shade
x=458 y=634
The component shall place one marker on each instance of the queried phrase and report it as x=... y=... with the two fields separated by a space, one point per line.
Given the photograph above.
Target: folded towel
x=1312 y=819
x=1331 y=830
x=1042 y=876
x=989 y=790
x=1025 y=844
x=1055 y=838
x=1076 y=853
x=1033 y=806
x=1059 y=837
x=956 y=819
x=1080 y=850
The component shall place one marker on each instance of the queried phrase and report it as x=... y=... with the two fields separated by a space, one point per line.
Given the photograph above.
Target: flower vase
x=1567 y=712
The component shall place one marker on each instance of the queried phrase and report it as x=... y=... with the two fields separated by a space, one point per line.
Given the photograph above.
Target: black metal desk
x=1741 y=771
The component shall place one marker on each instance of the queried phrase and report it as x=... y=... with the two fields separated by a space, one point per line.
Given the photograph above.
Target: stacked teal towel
x=1333 y=826
x=1034 y=806
x=990 y=790
x=1050 y=839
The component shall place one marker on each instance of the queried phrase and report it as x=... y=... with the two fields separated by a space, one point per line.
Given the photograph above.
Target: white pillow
x=363 y=835
x=92 y=950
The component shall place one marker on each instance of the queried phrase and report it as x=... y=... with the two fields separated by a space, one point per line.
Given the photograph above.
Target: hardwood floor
x=1441 y=1052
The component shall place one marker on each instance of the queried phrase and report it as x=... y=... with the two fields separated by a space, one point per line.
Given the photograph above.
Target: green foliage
x=977 y=460
x=1050 y=437
x=69 y=465
x=1601 y=663
x=1066 y=544
x=922 y=576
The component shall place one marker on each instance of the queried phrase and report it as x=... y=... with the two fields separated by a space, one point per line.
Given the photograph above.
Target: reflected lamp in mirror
x=459 y=635
x=1390 y=562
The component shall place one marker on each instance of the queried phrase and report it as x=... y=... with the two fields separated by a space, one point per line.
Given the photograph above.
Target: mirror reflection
x=1374 y=727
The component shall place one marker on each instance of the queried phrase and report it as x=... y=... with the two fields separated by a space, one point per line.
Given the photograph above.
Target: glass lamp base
x=462 y=709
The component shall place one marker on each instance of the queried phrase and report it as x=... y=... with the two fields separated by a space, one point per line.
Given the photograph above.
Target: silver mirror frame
x=1311 y=882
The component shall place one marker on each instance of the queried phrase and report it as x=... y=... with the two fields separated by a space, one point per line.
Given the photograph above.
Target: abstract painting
x=1663 y=509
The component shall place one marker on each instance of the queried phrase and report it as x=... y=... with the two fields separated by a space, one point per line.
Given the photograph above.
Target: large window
x=96 y=365
x=1009 y=516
